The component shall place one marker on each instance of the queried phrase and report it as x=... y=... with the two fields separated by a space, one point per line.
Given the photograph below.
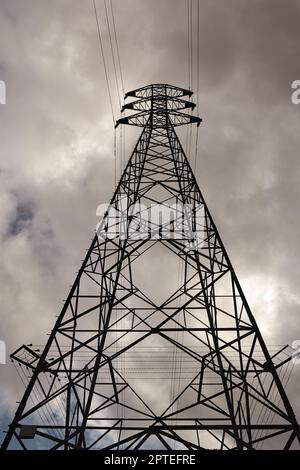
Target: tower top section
x=158 y=105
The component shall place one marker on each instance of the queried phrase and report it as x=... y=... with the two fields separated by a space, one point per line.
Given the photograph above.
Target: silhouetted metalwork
x=139 y=358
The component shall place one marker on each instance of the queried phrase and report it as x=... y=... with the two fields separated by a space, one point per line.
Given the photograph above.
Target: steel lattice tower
x=89 y=388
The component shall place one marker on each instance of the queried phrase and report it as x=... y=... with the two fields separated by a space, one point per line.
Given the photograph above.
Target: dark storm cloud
x=57 y=145
x=23 y=215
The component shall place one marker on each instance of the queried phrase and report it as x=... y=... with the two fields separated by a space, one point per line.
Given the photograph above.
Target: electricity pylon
x=139 y=358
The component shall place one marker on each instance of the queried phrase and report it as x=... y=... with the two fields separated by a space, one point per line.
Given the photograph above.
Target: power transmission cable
x=116 y=61
x=191 y=73
x=107 y=84
x=112 y=53
x=103 y=59
x=275 y=398
x=189 y=63
x=198 y=80
x=122 y=129
x=117 y=46
x=41 y=410
x=24 y=384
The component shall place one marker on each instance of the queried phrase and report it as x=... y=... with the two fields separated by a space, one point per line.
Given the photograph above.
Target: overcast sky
x=57 y=164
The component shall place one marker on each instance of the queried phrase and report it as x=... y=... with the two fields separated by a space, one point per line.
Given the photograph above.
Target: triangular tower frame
x=80 y=393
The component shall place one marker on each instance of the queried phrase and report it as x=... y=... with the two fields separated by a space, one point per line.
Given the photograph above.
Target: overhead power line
x=117 y=46
x=112 y=53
